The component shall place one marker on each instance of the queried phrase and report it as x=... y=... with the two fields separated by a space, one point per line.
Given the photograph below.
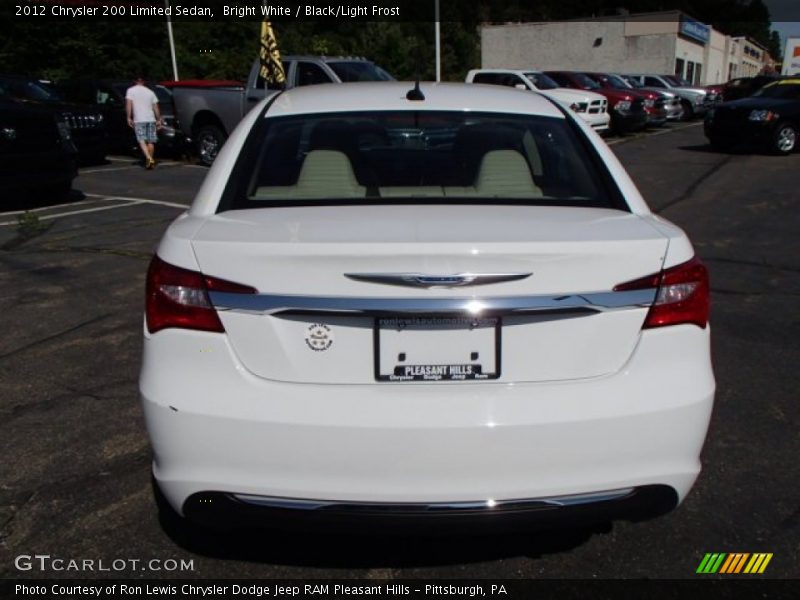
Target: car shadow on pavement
x=363 y=550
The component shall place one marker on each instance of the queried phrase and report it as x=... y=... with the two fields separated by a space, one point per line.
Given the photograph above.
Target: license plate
x=437 y=348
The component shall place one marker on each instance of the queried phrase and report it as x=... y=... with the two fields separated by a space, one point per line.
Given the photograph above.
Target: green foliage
x=224 y=49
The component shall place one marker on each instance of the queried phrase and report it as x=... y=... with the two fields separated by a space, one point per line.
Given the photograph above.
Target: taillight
x=682 y=296
x=178 y=297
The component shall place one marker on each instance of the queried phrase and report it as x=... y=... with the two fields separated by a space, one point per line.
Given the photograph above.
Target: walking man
x=141 y=105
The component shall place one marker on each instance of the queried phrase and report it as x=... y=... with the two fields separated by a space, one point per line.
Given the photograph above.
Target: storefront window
x=690 y=71
x=698 y=72
x=679 y=62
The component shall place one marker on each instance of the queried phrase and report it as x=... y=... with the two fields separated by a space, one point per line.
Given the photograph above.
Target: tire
x=784 y=139
x=688 y=110
x=208 y=141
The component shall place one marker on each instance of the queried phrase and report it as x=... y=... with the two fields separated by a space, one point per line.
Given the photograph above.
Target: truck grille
x=597 y=107
x=82 y=121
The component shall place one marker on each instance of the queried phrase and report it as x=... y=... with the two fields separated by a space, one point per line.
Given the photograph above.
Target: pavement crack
x=95 y=393
x=6 y=527
x=770 y=293
x=97 y=250
x=55 y=335
x=693 y=188
x=752 y=263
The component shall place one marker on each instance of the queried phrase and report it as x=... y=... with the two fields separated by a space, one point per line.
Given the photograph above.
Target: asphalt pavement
x=74 y=478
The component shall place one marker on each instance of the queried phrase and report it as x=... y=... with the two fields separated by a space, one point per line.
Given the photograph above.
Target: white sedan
x=444 y=305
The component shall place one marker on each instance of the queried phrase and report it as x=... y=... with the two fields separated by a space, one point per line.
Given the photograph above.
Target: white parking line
x=140 y=200
x=41 y=208
x=74 y=212
x=123 y=201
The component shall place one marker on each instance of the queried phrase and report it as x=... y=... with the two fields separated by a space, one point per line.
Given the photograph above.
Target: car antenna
x=415 y=94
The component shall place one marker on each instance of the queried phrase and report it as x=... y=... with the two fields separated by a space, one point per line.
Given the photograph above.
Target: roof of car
x=391 y=95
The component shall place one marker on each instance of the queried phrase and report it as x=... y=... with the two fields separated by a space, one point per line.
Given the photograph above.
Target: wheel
x=209 y=140
x=784 y=140
x=688 y=110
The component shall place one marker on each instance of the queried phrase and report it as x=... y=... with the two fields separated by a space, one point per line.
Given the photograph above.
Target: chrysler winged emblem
x=425 y=280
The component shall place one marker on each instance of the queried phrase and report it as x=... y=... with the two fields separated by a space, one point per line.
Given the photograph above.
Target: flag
x=271 y=70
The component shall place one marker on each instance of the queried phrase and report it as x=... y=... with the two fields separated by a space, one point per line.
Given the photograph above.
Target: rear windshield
x=349 y=72
x=617 y=82
x=418 y=157
x=542 y=81
x=586 y=81
x=785 y=91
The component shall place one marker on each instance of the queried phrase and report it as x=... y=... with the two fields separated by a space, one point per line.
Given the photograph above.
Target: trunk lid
x=306 y=251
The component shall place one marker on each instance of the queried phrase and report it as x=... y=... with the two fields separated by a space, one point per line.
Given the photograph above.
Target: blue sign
x=696 y=31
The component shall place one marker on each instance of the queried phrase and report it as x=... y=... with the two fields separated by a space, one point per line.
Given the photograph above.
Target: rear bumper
x=216 y=428
x=232 y=511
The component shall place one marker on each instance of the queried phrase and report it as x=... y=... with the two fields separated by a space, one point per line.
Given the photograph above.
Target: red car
x=626 y=107
x=654 y=102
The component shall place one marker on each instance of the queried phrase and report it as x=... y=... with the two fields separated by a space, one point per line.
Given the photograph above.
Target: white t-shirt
x=143 y=99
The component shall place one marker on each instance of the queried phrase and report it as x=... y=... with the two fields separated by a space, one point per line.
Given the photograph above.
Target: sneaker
x=150 y=164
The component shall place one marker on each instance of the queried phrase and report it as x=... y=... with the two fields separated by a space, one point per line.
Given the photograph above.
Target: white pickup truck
x=592 y=108
x=208 y=111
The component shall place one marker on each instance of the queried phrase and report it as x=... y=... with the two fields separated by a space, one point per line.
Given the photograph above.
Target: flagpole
x=171 y=44
x=438 y=45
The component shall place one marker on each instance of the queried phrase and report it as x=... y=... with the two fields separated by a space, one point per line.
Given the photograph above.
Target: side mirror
x=520 y=86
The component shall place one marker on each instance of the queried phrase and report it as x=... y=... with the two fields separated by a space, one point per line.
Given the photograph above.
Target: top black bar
x=473 y=11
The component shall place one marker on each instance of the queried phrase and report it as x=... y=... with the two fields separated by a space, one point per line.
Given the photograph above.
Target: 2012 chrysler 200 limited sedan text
x=444 y=305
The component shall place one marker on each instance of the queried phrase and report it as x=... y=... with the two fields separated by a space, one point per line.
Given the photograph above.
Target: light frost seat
x=502 y=174
x=324 y=174
x=505 y=174
x=329 y=174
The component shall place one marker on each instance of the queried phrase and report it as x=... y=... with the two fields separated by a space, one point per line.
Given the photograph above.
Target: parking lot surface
x=75 y=477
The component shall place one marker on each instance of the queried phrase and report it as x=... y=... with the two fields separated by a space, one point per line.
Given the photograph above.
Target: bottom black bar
x=407 y=589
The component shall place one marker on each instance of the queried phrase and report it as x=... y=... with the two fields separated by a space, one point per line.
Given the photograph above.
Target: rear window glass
x=424 y=157
x=359 y=71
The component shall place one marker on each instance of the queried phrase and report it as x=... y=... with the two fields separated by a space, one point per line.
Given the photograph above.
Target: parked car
x=592 y=108
x=627 y=108
x=695 y=100
x=672 y=102
x=208 y=115
x=769 y=118
x=654 y=103
x=442 y=304
x=87 y=125
x=108 y=97
x=36 y=150
x=744 y=87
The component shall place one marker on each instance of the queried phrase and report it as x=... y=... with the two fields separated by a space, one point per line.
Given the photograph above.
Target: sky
x=785 y=16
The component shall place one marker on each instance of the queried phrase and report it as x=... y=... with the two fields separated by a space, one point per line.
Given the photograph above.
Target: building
x=791 y=57
x=663 y=42
x=751 y=57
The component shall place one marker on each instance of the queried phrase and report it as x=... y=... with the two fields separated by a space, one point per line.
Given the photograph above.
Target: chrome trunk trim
x=469 y=306
x=424 y=280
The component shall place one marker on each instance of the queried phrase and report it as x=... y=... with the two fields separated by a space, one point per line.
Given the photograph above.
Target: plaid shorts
x=146 y=132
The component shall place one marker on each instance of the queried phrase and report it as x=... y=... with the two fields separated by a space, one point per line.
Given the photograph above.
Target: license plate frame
x=440 y=372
